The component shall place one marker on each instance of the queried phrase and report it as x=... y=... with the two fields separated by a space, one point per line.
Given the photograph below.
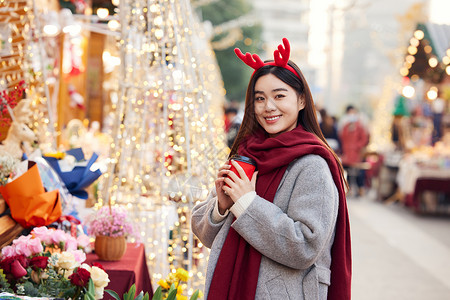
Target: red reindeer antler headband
x=281 y=57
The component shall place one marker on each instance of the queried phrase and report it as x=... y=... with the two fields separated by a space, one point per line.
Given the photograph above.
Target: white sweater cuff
x=216 y=216
x=241 y=205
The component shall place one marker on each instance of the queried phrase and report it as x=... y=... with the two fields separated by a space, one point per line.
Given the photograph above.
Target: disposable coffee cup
x=248 y=164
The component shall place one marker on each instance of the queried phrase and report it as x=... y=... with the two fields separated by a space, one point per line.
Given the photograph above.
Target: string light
x=168 y=143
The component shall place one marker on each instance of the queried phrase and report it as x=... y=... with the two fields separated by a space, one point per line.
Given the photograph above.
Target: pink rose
x=8 y=251
x=35 y=246
x=83 y=241
x=22 y=249
x=59 y=236
x=71 y=243
x=79 y=255
x=44 y=234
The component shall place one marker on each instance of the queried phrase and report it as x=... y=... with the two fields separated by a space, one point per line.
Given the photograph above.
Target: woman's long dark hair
x=306 y=117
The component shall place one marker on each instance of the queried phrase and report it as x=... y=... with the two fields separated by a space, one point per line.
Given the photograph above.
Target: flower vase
x=110 y=248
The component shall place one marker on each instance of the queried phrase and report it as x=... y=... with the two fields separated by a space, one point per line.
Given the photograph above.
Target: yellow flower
x=182 y=297
x=162 y=283
x=180 y=288
x=182 y=274
x=200 y=294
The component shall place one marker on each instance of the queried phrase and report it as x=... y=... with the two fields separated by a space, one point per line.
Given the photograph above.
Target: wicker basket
x=110 y=248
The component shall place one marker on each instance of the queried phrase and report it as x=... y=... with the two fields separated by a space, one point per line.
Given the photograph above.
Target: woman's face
x=276 y=105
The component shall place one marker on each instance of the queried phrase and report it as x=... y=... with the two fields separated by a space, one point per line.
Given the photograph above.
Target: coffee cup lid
x=245 y=159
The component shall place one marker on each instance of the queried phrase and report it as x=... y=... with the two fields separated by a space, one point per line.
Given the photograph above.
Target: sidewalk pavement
x=396 y=254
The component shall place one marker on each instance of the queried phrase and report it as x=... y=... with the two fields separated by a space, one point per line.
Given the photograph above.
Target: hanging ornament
x=76 y=100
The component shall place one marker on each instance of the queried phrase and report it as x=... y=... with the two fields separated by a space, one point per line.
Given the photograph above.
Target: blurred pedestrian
x=233 y=122
x=284 y=232
x=354 y=136
x=329 y=129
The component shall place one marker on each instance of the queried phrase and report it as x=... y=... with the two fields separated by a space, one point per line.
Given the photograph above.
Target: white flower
x=99 y=291
x=67 y=261
x=65 y=272
x=99 y=277
x=86 y=267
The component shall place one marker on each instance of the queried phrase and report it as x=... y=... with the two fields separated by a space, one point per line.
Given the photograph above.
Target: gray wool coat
x=294 y=234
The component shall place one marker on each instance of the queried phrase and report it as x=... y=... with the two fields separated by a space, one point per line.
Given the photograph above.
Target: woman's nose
x=270 y=105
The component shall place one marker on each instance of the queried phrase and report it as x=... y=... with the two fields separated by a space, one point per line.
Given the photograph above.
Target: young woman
x=284 y=233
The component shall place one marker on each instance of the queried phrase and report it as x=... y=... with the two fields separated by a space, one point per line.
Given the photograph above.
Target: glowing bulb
x=113 y=25
x=408 y=91
x=115 y=2
x=433 y=62
x=432 y=93
x=51 y=30
x=102 y=13
x=412 y=50
x=418 y=34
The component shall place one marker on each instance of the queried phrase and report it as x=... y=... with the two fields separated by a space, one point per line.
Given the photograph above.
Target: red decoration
x=10 y=98
x=280 y=55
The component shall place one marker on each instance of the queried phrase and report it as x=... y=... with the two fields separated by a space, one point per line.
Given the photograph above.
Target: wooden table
x=131 y=268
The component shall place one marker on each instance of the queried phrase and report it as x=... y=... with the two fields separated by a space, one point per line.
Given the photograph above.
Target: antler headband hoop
x=280 y=55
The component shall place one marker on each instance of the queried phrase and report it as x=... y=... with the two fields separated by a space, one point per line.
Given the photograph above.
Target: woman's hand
x=223 y=199
x=240 y=185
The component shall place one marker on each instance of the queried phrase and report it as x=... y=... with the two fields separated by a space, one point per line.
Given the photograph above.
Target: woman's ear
x=301 y=103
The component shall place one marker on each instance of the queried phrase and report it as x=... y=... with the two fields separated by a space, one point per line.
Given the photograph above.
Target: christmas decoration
x=167 y=130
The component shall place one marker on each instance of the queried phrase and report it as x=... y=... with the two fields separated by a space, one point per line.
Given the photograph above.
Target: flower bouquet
x=29 y=202
x=172 y=286
x=49 y=263
x=76 y=172
x=111 y=227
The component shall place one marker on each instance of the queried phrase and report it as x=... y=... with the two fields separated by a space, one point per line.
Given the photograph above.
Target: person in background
x=354 y=136
x=232 y=124
x=284 y=233
x=329 y=129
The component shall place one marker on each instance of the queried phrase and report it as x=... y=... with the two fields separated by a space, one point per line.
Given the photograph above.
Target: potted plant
x=111 y=227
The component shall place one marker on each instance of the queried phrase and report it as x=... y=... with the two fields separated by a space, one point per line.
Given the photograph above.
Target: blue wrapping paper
x=80 y=177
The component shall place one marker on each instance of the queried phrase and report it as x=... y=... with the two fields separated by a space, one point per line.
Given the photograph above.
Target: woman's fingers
x=240 y=170
x=253 y=181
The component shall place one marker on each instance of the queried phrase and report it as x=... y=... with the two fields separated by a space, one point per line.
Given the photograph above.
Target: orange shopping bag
x=28 y=201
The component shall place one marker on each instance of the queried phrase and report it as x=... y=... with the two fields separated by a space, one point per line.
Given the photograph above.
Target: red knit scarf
x=237 y=269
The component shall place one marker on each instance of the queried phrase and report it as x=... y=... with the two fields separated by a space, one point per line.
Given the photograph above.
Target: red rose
x=17 y=269
x=80 y=277
x=39 y=262
x=5 y=264
x=22 y=260
x=98 y=265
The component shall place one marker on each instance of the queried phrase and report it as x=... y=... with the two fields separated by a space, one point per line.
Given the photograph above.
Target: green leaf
x=89 y=296
x=146 y=296
x=140 y=296
x=131 y=293
x=172 y=293
x=157 y=295
x=91 y=287
x=194 y=295
x=113 y=294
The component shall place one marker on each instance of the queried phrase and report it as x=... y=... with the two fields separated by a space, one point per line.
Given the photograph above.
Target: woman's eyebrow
x=280 y=89
x=274 y=90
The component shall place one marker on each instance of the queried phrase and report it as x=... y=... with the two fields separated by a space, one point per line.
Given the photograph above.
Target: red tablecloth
x=437 y=185
x=131 y=268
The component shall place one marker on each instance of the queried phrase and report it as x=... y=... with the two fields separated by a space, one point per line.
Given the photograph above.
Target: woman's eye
x=279 y=96
x=259 y=99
